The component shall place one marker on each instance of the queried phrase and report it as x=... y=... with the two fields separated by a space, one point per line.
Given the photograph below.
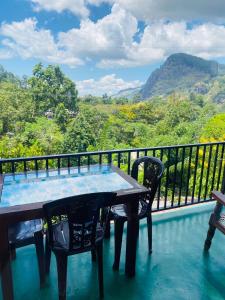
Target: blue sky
x=108 y=45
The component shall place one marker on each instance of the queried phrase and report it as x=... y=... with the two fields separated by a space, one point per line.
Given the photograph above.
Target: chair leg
x=93 y=255
x=61 y=261
x=209 y=237
x=99 y=249
x=118 y=235
x=107 y=229
x=48 y=253
x=13 y=252
x=149 y=223
x=38 y=237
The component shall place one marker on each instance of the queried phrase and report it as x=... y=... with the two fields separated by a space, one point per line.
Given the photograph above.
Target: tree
x=16 y=105
x=51 y=87
x=84 y=130
x=61 y=116
x=43 y=133
x=106 y=99
x=6 y=76
x=11 y=147
x=214 y=130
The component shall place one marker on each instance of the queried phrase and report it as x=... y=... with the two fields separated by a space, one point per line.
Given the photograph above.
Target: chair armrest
x=219 y=197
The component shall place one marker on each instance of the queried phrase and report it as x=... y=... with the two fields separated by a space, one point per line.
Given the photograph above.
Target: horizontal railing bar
x=69 y=155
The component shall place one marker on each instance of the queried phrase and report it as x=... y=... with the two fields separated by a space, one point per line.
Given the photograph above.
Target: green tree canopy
x=214 y=129
x=16 y=105
x=51 y=87
x=84 y=130
x=43 y=133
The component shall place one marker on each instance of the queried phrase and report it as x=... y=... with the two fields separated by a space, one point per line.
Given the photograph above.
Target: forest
x=43 y=114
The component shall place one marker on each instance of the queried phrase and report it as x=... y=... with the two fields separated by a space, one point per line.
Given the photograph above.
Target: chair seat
x=61 y=237
x=120 y=211
x=22 y=231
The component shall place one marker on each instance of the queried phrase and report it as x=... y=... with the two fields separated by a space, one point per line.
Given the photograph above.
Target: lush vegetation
x=44 y=115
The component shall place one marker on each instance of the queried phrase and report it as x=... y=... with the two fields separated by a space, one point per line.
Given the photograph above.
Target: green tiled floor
x=177 y=268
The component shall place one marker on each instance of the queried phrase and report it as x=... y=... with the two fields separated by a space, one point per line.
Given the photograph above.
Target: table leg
x=132 y=237
x=5 y=264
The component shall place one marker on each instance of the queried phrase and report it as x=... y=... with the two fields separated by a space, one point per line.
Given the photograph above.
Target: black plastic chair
x=26 y=233
x=152 y=170
x=75 y=226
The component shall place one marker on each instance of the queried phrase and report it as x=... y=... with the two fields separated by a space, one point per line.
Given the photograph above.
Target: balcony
x=191 y=171
x=177 y=268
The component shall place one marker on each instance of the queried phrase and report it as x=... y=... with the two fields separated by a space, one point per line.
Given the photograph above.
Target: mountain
x=180 y=72
x=128 y=93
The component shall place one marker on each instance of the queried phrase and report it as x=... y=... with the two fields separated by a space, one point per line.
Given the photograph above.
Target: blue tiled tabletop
x=43 y=186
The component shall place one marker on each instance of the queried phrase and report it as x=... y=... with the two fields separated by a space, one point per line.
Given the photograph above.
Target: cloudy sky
x=108 y=45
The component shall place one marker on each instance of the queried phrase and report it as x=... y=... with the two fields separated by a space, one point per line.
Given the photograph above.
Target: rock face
x=180 y=72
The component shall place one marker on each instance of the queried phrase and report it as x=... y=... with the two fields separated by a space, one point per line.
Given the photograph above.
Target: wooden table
x=22 y=196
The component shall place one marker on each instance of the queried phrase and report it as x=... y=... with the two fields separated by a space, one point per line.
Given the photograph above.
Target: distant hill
x=180 y=72
x=128 y=93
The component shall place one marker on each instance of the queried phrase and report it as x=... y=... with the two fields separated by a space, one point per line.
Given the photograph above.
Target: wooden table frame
x=24 y=212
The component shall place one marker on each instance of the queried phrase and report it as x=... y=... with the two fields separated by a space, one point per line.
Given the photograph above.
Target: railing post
x=223 y=181
x=109 y=158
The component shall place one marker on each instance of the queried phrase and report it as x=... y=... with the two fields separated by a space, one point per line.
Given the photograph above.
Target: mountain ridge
x=128 y=92
x=180 y=72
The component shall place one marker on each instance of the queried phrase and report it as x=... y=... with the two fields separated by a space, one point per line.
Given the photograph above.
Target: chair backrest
x=152 y=169
x=81 y=213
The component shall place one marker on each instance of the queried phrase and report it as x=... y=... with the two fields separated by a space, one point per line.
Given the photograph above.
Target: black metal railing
x=191 y=171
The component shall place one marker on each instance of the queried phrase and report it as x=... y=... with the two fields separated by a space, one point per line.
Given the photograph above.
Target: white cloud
x=176 y=10
x=5 y=54
x=108 y=38
x=110 y=41
x=24 y=39
x=148 y=10
x=77 y=7
x=109 y=84
x=99 y=2
x=207 y=40
x=159 y=40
